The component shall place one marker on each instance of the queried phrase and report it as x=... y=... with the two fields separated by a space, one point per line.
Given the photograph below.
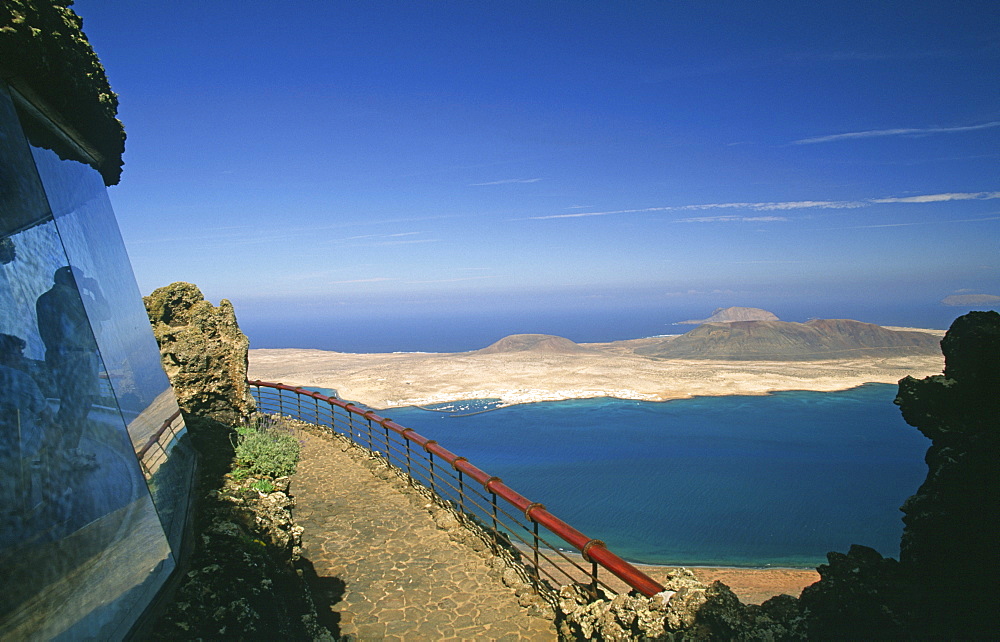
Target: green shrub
x=265 y=448
x=262 y=486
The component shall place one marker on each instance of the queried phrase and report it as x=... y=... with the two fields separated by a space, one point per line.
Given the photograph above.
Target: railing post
x=493 y=502
x=371 y=444
x=409 y=471
x=535 y=547
x=431 y=458
x=388 y=453
x=461 y=493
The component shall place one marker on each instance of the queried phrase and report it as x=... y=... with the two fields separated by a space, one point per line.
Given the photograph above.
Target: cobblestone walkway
x=401 y=568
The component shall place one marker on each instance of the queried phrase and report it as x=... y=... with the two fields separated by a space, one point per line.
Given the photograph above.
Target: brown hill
x=781 y=340
x=545 y=343
x=729 y=315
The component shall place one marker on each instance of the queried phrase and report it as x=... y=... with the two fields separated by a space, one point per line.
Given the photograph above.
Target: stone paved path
x=405 y=577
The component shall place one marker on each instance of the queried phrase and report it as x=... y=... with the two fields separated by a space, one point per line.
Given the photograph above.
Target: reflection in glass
x=71 y=353
x=83 y=542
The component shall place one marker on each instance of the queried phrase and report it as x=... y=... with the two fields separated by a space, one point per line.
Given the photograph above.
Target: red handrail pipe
x=593 y=550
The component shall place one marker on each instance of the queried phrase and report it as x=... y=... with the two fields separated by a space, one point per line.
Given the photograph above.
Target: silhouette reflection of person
x=71 y=350
x=24 y=416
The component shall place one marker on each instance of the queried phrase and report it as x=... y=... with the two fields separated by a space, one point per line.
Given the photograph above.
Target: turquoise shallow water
x=776 y=480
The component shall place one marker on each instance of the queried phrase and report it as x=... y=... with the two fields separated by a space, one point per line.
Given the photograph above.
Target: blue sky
x=330 y=157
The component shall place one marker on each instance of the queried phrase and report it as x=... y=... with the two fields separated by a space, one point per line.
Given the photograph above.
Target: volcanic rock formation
x=728 y=315
x=203 y=352
x=542 y=343
x=949 y=546
x=782 y=340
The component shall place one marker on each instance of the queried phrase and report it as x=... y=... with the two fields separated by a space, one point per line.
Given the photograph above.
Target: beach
x=614 y=369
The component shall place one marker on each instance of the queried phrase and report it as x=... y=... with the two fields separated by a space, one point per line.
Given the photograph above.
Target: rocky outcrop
x=539 y=343
x=203 y=352
x=736 y=313
x=46 y=56
x=781 y=340
x=949 y=549
x=860 y=595
x=685 y=610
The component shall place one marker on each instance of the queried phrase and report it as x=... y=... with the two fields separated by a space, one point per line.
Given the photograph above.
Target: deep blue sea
x=776 y=480
x=445 y=330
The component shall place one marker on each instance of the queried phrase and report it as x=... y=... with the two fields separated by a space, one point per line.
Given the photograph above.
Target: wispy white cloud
x=937 y=198
x=406 y=242
x=732 y=219
x=757 y=207
x=802 y=205
x=456 y=279
x=775 y=207
x=507 y=181
x=909 y=131
x=380 y=240
x=360 y=237
x=963 y=300
x=372 y=280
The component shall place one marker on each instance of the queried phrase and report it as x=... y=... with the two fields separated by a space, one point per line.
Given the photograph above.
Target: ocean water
x=776 y=480
x=444 y=330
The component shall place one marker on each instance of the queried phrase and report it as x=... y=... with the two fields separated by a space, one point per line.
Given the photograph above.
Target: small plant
x=265 y=448
x=263 y=486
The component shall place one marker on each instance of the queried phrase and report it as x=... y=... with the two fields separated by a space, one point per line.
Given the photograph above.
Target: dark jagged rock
x=203 y=352
x=859 y=594
x=44 y=54
x=949 y=545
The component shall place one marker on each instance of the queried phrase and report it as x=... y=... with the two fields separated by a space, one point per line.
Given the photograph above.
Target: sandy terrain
x=602 y=370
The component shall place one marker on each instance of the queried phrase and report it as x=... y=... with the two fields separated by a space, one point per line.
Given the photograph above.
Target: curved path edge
x=390 y=564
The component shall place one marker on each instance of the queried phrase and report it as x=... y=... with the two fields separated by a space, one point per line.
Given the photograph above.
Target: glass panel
x=102 y=272
x=81 y=545
x=22 y=201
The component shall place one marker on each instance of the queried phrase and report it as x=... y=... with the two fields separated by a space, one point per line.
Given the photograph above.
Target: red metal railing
x=451 y=484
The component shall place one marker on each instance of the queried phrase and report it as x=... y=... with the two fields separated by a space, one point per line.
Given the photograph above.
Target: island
x=724 y=358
